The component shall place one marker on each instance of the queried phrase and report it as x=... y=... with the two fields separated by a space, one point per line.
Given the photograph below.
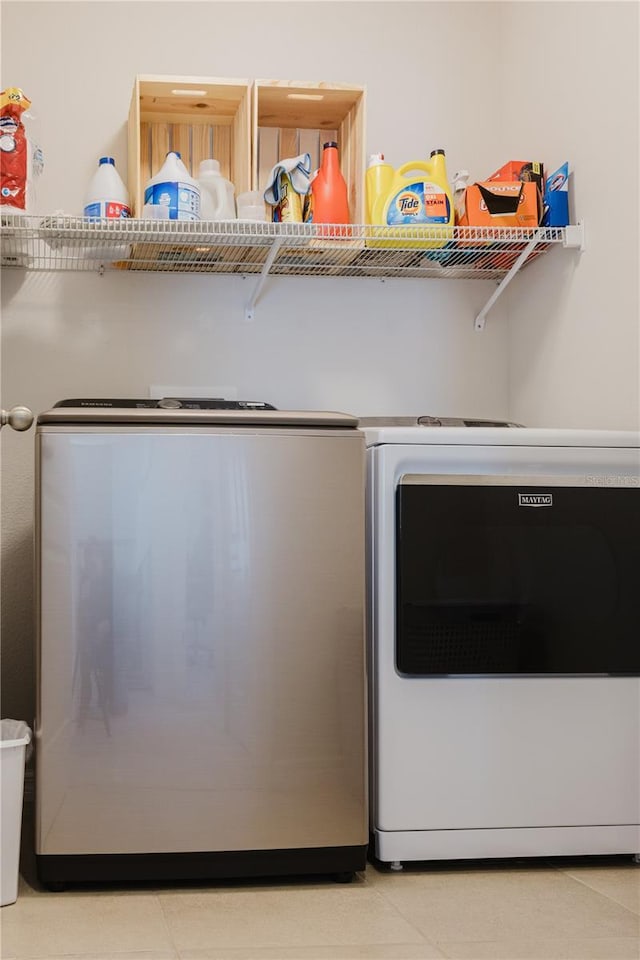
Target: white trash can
x=13 y=744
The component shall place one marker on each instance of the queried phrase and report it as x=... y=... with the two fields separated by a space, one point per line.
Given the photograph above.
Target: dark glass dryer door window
x=490 y=579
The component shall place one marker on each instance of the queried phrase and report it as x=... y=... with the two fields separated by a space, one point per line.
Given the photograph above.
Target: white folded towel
x=299 y=172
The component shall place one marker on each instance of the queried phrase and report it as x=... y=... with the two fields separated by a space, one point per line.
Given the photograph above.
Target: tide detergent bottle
x=417 y=194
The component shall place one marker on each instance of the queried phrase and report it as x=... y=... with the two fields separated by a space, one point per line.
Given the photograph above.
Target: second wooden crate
x=293 y=116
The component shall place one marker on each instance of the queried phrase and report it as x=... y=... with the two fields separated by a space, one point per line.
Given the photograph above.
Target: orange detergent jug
x=329 y=195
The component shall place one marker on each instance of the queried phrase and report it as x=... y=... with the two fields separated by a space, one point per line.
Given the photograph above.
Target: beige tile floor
x=575 y=910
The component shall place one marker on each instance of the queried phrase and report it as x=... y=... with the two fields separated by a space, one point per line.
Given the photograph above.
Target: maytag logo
x=535 y=499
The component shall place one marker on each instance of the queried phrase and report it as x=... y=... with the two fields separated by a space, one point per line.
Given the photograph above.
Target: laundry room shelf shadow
x=277 y=249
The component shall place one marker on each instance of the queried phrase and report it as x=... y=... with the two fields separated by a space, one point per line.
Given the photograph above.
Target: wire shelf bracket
x=574 y=236
x=481 y=319
x=250 y=308
x=573 y=239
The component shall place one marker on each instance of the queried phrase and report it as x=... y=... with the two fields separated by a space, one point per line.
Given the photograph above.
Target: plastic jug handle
x=416 y=165
x=217 y=195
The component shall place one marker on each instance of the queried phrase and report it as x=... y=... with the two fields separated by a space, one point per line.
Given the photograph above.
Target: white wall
x=446 y=74
x=574 y=318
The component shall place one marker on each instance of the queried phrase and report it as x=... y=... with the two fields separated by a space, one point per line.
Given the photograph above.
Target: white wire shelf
x=290 y=249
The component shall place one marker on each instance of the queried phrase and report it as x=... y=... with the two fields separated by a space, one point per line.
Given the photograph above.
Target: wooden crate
x=292 y=117
x=207 y=117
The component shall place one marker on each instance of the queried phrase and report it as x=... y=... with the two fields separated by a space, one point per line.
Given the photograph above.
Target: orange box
x=526 y=170
x=501 y=204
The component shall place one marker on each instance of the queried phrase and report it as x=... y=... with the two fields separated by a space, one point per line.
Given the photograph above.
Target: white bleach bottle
x=175 y=188
x=217 y=193
x=107 y=195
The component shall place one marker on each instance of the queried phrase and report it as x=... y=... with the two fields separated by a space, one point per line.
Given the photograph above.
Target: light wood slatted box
x=294 y=116
x=207 y=117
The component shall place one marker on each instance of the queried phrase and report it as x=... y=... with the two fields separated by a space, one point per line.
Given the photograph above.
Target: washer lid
x=186 y=412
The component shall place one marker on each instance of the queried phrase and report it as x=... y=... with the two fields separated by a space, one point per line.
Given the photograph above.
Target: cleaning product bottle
x=330 y=201
x=289 y=208
x=107 y=195
x=217 y=200
x=377 y=181
x=460 y=184
x=418 y=194
x=174 y=187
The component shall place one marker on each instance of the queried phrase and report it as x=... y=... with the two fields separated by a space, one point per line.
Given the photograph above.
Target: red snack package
x=14 y=149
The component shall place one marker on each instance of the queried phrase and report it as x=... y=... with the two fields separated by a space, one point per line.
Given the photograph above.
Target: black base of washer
x=106 y=868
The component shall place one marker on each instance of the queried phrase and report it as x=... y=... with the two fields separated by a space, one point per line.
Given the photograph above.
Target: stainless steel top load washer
x=201 y=682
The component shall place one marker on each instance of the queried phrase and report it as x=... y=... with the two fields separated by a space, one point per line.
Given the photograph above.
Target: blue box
x=556 y=198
